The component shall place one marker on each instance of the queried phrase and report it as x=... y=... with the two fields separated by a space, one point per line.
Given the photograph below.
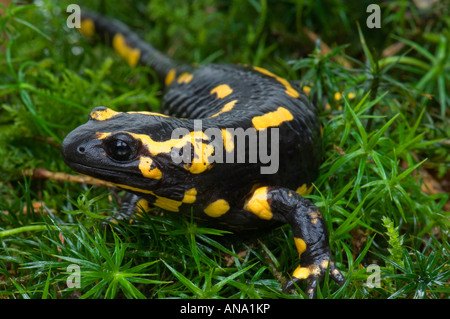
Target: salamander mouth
x=114 y=175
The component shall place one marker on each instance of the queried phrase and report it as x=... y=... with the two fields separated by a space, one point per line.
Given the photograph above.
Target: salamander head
x=136 y=149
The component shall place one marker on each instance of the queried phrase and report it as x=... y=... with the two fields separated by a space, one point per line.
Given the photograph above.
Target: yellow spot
x=315 y=215
x=315 y=270
x=146 y=170
x=289 y=89
x=272 y=118
x=142 y=205
x=304 y=190
x=351 y=95
x=306 y=89
x=170 y=77
x=164 y=202
x=202 y=152
x=300 y=244
x=185 y=78
x=103 y=114
x=324 y=264
x=174 y=205
x=217 y=208
x=153 y=147
x=168 y=204
x=305 y=272
x=227 y=107
x=134 y=189
x=258 y=204
x=87 y=27
x=228 y=140
x=264 y=71
x=337 y=96
x=222 y=91
x=109 y=113
x=130 y=54
x=190 y=196
x=327 y=106
x=301 y=273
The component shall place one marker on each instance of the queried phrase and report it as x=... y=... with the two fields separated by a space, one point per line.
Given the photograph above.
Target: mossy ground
x=384 y=182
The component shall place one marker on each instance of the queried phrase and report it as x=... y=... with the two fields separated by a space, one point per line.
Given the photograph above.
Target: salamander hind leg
x=309 y=230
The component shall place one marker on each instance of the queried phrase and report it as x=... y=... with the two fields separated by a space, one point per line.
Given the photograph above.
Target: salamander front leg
x=132 y=206
x=308 y=227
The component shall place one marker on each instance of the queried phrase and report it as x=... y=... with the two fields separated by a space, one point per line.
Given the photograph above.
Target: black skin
x=116 y=158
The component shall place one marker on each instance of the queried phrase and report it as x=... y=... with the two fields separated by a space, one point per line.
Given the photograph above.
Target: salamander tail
x=126 y=43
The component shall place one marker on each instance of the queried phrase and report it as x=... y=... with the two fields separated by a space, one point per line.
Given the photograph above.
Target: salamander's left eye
x=121 y=147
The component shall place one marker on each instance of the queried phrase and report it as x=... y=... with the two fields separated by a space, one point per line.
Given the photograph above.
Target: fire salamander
x=236 y=145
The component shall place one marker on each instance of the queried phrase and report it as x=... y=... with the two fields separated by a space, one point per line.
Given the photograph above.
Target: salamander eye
x=121 y=147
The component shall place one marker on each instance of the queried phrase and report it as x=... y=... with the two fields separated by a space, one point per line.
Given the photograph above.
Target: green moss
x=388 y=128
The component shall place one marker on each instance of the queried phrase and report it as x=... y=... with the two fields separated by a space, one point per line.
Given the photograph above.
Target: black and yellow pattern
x=135 y=150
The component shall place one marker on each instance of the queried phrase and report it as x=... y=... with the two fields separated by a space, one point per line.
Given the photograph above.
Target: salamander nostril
x=81 y=149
